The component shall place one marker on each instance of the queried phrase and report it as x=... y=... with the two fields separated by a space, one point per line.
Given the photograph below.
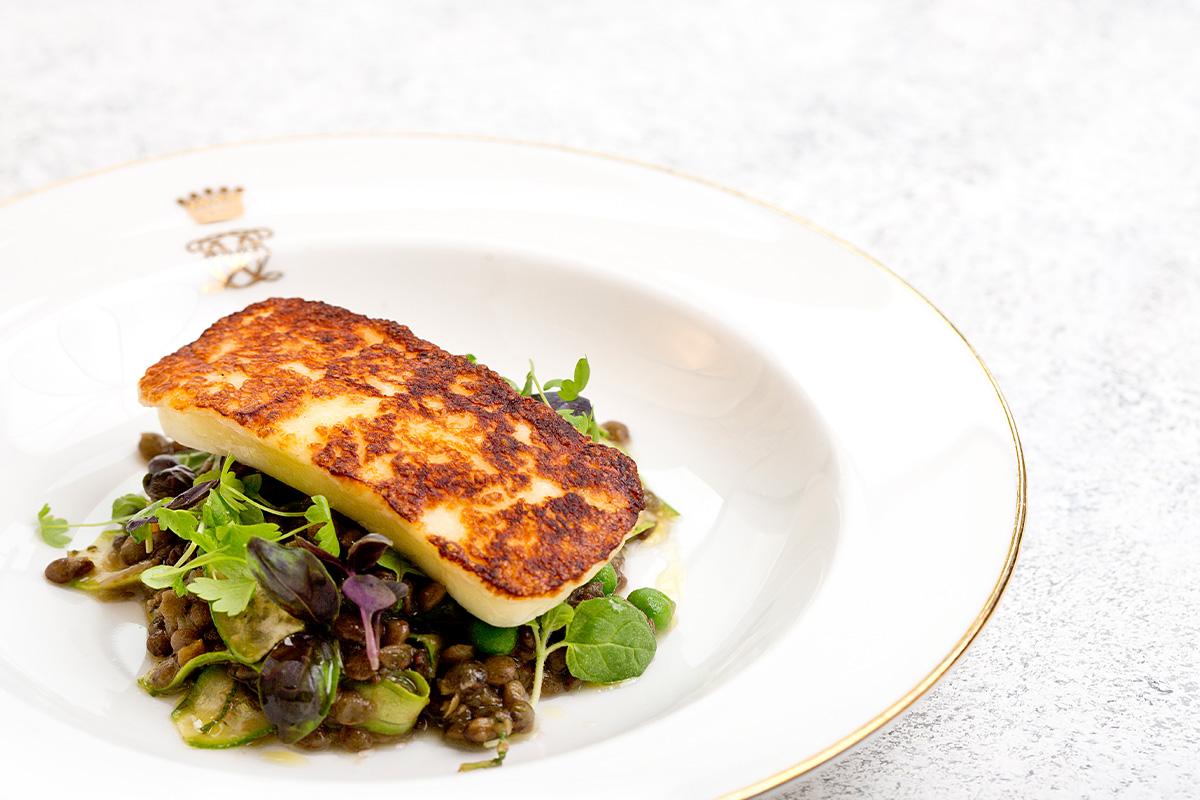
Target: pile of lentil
x=476 y=697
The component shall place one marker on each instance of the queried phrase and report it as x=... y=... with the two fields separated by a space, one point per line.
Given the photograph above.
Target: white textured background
x=1032 y=167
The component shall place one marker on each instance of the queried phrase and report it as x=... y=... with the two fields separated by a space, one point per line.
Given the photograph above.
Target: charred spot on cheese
x=491 y=493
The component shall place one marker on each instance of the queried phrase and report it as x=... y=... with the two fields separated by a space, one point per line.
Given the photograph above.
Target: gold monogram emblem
x=219 y=206
x=238 y=258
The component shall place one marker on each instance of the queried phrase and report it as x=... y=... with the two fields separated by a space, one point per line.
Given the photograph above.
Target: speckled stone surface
x=1032 y=167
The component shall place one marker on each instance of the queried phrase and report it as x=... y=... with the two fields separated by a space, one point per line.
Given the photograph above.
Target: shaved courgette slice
x=153 y=681
x=111 y=579
x=219 y=712
x=396 y=702
x=253 y=633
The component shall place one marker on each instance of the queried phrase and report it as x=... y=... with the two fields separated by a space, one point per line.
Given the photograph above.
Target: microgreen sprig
x=220 y=528
x=53 y=530
x=607 y=639
x=567 y=390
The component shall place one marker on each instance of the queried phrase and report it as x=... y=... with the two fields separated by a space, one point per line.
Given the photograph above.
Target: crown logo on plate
x=219 y=206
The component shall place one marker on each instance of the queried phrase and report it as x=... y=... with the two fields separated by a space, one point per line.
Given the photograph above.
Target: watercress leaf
x=558 y=617
x=295 y=579
x=367 y=551
x=319 y=513
x=229 y=595
x=127 y=505
x=52 y=529
x=298 y=683
x=608 y=640
x=543 y=627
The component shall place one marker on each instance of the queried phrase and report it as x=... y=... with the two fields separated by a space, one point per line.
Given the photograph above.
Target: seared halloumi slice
x=492 y=494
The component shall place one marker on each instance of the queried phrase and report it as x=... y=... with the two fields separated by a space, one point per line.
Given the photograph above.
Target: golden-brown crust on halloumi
x=499 y=485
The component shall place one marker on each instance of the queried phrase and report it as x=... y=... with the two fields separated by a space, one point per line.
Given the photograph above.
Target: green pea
x=655 y=605
x=607 y=577
x=492 y=640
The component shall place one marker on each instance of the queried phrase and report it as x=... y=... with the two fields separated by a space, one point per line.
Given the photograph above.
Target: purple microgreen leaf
x=298 y=684
x=143 y=518
x=400 y=590
x=335 y=567
x=367 y=551
x=371 y=595
x=192 y=496
x=295 y=579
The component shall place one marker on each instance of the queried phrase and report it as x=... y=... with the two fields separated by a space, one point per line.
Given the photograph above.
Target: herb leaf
x=184 y=525
x=192 y=459
x=53 y=529
x=227 y=595
x=298 y=684
x=396 y=563
x=127 y=505
x=295 y=579
x=570 y=389
x=366 y=552
x=319 y=514
x=543 y=627
x=372 y=595
x=608 y=640
x=558 y=617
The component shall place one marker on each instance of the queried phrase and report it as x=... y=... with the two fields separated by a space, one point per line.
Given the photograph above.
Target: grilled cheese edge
x=207 y=430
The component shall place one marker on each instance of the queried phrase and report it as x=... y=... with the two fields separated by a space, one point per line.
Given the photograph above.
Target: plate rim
x=906 y=700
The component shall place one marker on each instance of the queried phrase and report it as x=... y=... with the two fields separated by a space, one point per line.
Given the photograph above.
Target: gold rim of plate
x=981 y=619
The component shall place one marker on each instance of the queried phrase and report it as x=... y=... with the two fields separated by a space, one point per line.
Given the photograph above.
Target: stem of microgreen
x=261 y=506
x=539 y=665
x=537 y=385
x=501 y=744
x=187 y=553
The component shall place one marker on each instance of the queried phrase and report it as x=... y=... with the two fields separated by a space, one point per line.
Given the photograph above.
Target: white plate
x=850 y=479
